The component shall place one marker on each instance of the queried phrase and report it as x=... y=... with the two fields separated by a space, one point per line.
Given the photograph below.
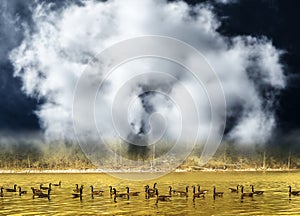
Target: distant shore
x=60 y=171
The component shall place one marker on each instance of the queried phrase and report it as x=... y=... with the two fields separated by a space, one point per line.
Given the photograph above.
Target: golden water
x=275 y=200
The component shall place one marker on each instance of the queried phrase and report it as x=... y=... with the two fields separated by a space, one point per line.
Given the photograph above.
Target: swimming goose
x=234 y=190
x=163 y=198
x=47 y=195
x=201 y=191
x=45 y=188
x=36 y=192
x=256 y=192
x=249 y=194
x=21 y=192
x=93 y=192
x=56 y=185
x=295 y=193
x=120 y=195
x=1 y=192
x=198 y=194
x=182 y=193
x=12 y=190
x=218 y=194
x=135 y=193
x=149 y=192
x=79 y=194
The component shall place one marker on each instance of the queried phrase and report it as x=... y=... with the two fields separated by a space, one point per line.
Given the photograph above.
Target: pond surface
x=274 y=201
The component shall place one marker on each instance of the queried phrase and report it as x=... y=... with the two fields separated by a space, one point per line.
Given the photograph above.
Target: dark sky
x=275 y=19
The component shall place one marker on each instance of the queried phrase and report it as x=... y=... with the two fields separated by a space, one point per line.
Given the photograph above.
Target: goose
x=163 y=198
x=182 y=193
x=57 y=185
x=198 y=194
x=149 y=192
x=135 y=193
x=256 y=192
x=201 y=191
x=219 y=194
x=120 y=195
x=295 y=193
x=45 y=188
x=1 y=192
x=36 y=192
x=47 y=195
x=234 y=190
x=170 y=190
x=76 y=190
x=250 y=194
x=79 y=194
x=21 y=192
x=12 y=190
x=99 y=192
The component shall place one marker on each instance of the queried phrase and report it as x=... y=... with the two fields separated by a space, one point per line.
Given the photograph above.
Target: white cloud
x=51 y=59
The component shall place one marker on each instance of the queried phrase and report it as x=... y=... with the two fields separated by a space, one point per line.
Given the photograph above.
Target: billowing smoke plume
x=57 y=48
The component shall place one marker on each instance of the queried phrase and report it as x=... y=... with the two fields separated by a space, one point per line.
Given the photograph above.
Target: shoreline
x=103 y=171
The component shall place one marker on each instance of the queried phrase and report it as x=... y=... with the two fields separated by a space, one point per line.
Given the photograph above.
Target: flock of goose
x=197 y=192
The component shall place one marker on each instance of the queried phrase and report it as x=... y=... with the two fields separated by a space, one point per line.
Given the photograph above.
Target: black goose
x=234 y=190
x=198 y=194
x=79 y=194
x=36 y=192
x=12 y=190
x=163 y=198
x=295 y=193
x=47 y=195
x=218 y=194
x=149 y=192
x=98 y=192
x=120 y=195
x=45 y=188
x=182 y=193
x=134 y=193
x=201 y=191
x=1 y=192
x=57 y=185
x=76 y=190
x=256 y=192
x=249 y=194
x=21 y=192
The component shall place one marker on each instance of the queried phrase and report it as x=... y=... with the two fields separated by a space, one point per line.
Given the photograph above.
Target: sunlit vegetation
x=67 y=155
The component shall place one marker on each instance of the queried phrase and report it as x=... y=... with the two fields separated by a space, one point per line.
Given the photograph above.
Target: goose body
x=47 y=195
x=295 y=193
x=76 y=190
x=201 y=191
x=21 y=192
x=36 y=192
x=256 y=192
x=249 y=194
x=234 y=190
x=198 y=194
x=1 y=192
x=163 y=198
x=134 y=193
x=149 y=192
x=219 y=194
x=121 y=195
x=79 y=194
x=182 y=193
x=57 y=185
x=45 y=188
x=93 y=192
x=12 y=190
